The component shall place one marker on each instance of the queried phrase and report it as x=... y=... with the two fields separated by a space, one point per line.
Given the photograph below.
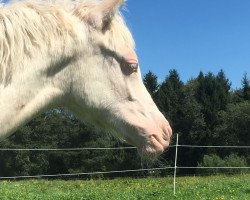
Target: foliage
x=245 y=87
x=59 y=129
x=214 y=161
x=169 y=96
x=234 y=125
x=151 y=83
x=213 y=95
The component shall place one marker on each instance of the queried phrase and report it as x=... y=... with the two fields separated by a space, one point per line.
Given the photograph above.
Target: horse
x=79 y=55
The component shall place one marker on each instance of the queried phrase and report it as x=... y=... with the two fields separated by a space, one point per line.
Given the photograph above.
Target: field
x=214 y=187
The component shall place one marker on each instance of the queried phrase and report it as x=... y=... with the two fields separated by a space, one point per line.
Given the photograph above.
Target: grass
x=214 y=187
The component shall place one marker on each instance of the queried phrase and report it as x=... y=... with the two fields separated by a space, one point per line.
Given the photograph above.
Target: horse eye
x=133 y=66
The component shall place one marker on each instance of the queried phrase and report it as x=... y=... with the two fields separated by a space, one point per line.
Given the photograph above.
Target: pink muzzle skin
x=159 y=142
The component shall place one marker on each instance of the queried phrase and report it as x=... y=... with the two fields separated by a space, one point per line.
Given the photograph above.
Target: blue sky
x=192 y=35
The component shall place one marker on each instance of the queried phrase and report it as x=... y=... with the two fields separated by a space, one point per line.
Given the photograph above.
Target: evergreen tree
x=223 y=90
x=151 y=83
x=170 y=94
x=213 y=93
x=192 y=128
x=245 y=87
x=206 y=96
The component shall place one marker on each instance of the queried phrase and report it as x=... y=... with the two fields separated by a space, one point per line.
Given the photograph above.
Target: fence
x=175 y=167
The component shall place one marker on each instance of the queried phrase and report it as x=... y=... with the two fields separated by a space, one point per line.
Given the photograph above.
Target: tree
x=245 y=87
x=192 y=127
x=60 y=129
x=234 y=125
x=213 y=93
x=223 y=90
x=179 y=104
x=169 y=95
x=151 y=83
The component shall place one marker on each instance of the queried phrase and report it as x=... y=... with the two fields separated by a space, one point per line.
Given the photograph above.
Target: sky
x=191 y=36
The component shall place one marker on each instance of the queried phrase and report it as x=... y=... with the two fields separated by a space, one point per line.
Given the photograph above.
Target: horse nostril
x=165 y=136
x=167 y=133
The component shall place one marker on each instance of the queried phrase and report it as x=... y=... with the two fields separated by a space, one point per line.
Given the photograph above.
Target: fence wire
x=118 y=171
x=70 y=149
x=115 y=148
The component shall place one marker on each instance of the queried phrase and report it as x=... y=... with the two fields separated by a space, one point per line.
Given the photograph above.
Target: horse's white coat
x=79 y=55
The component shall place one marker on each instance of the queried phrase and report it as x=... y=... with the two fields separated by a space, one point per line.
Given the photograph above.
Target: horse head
x=112 y=92
x=81 y=57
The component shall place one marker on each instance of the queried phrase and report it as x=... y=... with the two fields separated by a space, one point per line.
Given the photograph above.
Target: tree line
x=203 y=111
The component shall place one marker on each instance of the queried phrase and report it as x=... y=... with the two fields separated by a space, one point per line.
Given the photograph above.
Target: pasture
x=213 y=187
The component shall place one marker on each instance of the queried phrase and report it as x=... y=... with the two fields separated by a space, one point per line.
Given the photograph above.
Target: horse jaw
x=142 y=125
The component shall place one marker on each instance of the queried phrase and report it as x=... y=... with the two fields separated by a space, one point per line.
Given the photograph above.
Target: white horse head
x=80 y=56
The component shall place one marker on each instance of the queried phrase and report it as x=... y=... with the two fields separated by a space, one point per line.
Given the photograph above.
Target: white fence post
x=175 y=162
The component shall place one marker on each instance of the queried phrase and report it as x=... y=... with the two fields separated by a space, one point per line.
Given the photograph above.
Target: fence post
x=175 y=162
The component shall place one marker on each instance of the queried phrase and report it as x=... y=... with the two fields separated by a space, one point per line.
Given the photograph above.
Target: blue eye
x=133 y=66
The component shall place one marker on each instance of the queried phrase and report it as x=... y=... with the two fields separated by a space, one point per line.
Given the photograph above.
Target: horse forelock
x=29 y=27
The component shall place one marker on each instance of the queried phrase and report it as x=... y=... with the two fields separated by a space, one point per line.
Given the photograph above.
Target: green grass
x=214 y=187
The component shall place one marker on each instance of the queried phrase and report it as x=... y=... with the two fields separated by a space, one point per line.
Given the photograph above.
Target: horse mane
x=32 y=26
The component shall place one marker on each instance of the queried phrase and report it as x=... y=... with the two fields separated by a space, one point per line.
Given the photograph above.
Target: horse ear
x=99 y=16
